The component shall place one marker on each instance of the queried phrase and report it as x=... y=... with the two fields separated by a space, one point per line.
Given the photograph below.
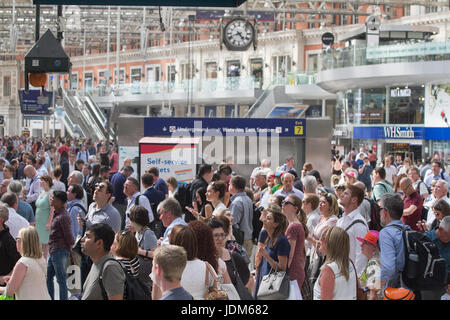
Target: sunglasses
x=287 y=202
x=99 y=186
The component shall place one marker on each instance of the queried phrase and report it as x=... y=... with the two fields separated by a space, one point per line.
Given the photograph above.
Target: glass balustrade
x=396 y=53
x=184 y=86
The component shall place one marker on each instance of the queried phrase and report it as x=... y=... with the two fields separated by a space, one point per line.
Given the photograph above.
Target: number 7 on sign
x=298 y=130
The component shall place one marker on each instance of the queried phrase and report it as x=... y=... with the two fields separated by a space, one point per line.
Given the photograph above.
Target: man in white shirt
x=265 y=164
x=15 y=221
x=311 y=207
x=418 y=184
x=391 y=170
x=354 y=224
x=130 y=188
x=440 y=192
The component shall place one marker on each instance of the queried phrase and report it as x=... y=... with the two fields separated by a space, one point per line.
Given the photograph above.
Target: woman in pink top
x=296 y=233
x=114 y=161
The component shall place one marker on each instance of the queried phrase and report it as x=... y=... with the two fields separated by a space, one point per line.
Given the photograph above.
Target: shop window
x=211 y=70
x=121 y=79
x=313 y=63
x=187 y=71
x=233 y=74
x=6 y=86
x=88 y=80
x=406 y=105
x=135 y=75
x=74 y=81
x=256 y=68
x=361 y=106
x=281 y=66
x=373 y=107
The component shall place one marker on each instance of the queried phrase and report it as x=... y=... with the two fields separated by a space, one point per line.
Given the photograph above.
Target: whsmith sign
x=388 y=132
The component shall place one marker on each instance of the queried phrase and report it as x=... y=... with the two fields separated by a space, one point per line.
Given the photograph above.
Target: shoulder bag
x=241 y=289
x=360 y=294
x=213 y=292
x=274 y=286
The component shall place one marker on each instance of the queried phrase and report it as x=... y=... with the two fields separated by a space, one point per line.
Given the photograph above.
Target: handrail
x=259 y=101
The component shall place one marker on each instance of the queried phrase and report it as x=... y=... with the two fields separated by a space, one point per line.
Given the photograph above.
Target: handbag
x=213 y=292
x=145 y=265
x=316 y=263
x=274 y=286
x=360 y=294
x=241 y=289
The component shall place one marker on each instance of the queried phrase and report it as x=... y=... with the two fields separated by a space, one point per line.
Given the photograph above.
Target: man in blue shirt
x=392 y=251
x=159 y=183
x=120 y=198
x=241 y=207
x=170 y=215
x=436 y=173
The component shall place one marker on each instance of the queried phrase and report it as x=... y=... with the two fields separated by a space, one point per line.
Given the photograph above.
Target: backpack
x=418 y=187
x=134 y=289
x=425 y=269
x=375 y=222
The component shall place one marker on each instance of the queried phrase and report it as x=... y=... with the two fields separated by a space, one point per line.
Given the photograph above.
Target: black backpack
x=375 y=221
x=425 y=269
x=134 y=289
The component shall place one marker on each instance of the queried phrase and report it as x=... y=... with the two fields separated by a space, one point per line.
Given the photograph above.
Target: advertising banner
x=173 y=157
x=437 y=106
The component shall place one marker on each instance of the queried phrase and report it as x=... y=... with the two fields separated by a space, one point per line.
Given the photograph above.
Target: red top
x=296 y=232
x=411 y=220
x=62 y=148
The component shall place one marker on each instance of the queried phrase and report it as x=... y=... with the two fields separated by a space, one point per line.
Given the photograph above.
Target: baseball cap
x=371 y=236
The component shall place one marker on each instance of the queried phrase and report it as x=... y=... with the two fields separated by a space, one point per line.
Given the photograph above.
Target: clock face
x=238 y=34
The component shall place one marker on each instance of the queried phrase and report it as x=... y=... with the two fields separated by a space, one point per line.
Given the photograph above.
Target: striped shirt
x=132 y=266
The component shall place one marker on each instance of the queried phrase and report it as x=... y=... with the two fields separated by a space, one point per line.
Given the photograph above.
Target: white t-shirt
x=219 y=208
x=311 y=222
x=343 y=289
x=389 y=173
x=34 y=284
x=193 y=278
x=15 y=223
x=423 y=187
x=357 y=230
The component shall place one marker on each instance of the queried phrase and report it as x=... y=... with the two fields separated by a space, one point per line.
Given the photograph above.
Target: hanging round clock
x=238 y=34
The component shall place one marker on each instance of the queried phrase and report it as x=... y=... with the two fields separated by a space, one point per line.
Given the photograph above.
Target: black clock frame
x=232 y=47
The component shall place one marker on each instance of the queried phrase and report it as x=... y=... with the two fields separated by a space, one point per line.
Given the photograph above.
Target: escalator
x=81 y=115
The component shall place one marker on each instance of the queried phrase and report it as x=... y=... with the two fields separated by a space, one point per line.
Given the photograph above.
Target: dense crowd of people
x=222 y=236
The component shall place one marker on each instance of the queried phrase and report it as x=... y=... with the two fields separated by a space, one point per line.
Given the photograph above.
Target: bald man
x=34 y=188
x=413 y=204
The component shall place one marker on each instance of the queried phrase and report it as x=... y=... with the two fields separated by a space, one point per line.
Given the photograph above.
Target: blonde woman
x=337 y=279
x=329 y=209
x=28 y=279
